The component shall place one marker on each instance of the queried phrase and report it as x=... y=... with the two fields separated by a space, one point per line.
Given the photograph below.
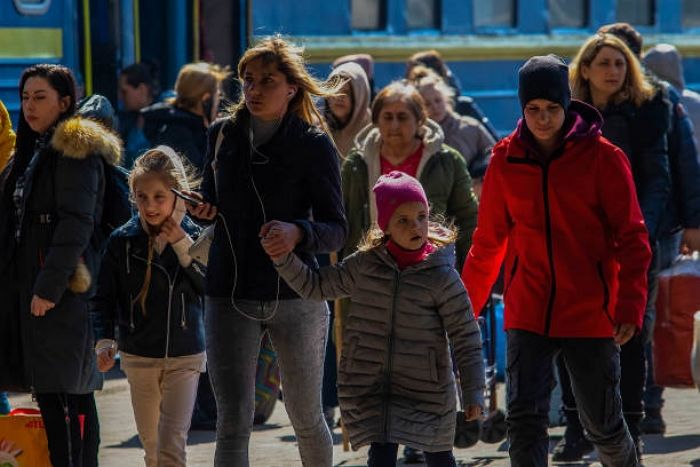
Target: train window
x=691 y=14
x=421 y=14
x=32 y=7
x=568 y=13
x=496 y=13
x=640 y=12
x=367 y=14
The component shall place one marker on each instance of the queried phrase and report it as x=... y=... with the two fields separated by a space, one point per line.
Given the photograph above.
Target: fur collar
x=79 y=137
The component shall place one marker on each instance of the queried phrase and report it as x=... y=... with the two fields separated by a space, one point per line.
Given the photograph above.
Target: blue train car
x=96 y=38
x=484 y=41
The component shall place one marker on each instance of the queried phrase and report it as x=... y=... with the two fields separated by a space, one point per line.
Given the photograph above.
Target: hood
x=582 y=121
x=344 y=137
x=443 y=256
x=364 y=60
x=79 y=137
x=369 y=143
x=665 y=62
x=98 y=108
x=157 y=115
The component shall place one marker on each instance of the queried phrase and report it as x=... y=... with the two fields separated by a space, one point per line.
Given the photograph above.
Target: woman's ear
x=584 y=71
x=64 y=103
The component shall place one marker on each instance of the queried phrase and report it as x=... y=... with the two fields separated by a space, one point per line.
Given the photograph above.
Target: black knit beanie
x=544 y=77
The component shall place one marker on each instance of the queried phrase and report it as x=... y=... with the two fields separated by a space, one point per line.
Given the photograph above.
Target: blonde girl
x=150 y=287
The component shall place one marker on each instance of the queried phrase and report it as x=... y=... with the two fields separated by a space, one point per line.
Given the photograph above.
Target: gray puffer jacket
x=395 y=379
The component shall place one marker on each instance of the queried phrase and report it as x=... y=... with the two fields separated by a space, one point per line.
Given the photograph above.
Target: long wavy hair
x=636 y=88
x=289 y=60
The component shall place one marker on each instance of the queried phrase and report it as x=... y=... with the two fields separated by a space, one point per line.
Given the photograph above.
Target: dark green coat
x=442 y=172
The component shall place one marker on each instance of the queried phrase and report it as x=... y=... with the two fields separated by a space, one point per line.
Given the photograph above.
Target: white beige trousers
x=163 y=393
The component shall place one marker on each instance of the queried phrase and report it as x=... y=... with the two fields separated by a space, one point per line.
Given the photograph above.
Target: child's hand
x=624 y=332
x=171 y=231
x=279 y=238
x=473 y=412
x=106 y=350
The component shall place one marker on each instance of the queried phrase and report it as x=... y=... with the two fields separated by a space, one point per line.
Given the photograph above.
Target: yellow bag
x=23 y=440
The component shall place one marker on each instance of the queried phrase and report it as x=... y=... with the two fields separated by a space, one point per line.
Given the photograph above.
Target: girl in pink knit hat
x=395 y=378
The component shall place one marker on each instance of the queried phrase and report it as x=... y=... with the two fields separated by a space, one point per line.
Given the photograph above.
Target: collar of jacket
x=133 y=228
x=369 y=143
x=582 y=121
x=442 y=256
x=79 y=137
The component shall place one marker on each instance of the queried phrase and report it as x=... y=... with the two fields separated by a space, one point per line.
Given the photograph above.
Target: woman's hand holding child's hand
x=278 y=238
x=171 y=231
x=473 y=412
x=203 y=211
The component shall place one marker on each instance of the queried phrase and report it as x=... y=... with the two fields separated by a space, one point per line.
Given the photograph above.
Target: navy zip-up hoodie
x=172 y=324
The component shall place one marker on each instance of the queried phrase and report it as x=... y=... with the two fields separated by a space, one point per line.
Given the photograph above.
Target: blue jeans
x=384 y=455
x=298 y=332
x=594 y=367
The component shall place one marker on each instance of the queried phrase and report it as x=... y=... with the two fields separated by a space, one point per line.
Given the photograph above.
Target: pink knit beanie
x=394 y=189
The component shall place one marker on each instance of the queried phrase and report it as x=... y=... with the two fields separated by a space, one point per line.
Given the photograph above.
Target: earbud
x=290 y=94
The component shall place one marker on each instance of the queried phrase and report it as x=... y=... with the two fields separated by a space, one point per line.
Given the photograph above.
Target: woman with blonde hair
x=182 y=122
x=271 y=168
x=607 y=75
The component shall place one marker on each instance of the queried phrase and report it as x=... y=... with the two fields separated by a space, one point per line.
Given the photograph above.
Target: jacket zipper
x=606 y=292
x=171 y=286
x=550 y=253
x=131 y=312
x=390 y=358
x=183 y=321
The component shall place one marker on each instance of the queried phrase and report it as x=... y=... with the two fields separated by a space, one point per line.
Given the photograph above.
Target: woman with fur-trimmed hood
x=51 y=207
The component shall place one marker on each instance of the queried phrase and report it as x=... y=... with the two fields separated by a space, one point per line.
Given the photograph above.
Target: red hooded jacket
x=570 y=229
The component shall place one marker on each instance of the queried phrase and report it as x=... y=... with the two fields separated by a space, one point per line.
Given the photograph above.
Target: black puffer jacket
x=183 y=131
x=172 y=324
x=641 y=133
x=56 y=253
x=297 y=177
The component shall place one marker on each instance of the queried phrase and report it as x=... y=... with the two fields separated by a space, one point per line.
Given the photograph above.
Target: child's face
x=544 y=119
x=408 y=226
x=154 y=200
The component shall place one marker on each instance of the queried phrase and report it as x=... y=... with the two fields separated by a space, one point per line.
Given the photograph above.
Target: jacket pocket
x=432 y=365
x=513 y=270
x=606 y=291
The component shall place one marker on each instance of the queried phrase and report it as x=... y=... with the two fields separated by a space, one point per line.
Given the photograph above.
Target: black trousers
x=384 y=455
x=594 y=367
x=60 y=412
x=633 y=376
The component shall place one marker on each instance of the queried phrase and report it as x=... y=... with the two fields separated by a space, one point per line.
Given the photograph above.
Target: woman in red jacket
x=559 y=206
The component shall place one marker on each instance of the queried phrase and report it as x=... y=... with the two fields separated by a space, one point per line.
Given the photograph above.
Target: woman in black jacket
x=182 y=122
x=271 y=173
x=51 y=206
x=607 y=75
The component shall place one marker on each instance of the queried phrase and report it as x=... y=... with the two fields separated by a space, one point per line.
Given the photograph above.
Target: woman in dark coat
x=607 y=75
x=270 y=172
x=182 y=123
x=51 y=206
